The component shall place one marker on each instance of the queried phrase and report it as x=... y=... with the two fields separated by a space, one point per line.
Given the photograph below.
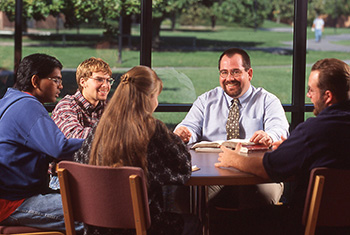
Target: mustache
x=232 y=82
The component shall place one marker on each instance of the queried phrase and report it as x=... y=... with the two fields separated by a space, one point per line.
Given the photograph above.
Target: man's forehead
x=100 y=74
x=56 y=73
x=313 y=78
x=233 y=61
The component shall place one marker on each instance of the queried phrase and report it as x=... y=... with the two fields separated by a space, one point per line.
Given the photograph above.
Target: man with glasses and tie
x=76 y=114
x=237 y=109
x=320 y=141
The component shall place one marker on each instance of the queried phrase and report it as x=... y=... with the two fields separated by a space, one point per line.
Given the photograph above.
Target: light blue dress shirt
x=259 y=110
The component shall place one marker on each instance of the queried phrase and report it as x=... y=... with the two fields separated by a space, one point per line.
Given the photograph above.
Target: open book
x=214 y=146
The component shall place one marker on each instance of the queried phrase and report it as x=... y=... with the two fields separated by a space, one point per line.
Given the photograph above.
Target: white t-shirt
x=318 y=23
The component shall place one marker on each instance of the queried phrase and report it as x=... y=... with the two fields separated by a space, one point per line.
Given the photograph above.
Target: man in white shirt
x=262 y=117
x=321 y=141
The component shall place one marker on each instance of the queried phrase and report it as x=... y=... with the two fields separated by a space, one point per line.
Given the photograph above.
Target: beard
x=319 y=106
x=233 y=93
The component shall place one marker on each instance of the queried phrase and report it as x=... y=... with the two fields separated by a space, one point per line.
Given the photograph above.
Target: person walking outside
x=317 y=27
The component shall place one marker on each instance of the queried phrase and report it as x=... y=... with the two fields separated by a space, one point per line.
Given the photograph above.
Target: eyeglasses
x=311 y=91
x=58 y=81
x=102 y=80
x=236 y=73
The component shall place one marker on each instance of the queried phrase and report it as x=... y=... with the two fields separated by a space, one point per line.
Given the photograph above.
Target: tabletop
x=211 y=175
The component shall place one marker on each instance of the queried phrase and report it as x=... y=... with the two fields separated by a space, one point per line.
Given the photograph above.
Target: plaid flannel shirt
x=75 y=116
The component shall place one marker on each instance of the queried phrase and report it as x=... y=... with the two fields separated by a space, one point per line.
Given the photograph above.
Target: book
x=214 y=146
x=227 y=143
x=252 y=148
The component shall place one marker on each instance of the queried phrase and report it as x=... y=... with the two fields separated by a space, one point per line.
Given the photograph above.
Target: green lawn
x=343 y=42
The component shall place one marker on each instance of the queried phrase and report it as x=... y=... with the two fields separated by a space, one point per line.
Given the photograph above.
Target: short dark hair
x=35 y=64
x=334 y=75
x=232 y=51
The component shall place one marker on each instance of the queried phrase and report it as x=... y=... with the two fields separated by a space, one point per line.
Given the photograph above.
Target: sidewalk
x=326 y=43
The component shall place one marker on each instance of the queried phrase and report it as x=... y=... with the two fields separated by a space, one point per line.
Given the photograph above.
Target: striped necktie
x=232 y=124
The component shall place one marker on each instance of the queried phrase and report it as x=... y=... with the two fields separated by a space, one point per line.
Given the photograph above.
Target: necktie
x=232 y=124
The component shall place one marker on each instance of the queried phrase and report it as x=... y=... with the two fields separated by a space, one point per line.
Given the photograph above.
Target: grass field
x=179 y=62
x=344 y=42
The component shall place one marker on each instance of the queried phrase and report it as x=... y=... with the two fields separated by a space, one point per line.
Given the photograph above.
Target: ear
x=329 y=98
x=82 y=83
x=35 y=81
x=250 y=73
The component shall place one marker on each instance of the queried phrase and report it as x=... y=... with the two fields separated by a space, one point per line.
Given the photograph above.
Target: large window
x=188 y=38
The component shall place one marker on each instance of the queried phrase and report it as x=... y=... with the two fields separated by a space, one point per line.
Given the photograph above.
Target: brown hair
x=89 y=66
x=232 y=51
x=334 y=75
x=127 y=124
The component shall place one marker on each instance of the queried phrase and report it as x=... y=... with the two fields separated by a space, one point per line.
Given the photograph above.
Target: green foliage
x=76 y=12
x=8 y=6
x=316 y=7
x=36 y=9
x=194 y=15
x=336 y=8
x=249 y=13
x=161 y=8
x=283 y=10
x=92 y=11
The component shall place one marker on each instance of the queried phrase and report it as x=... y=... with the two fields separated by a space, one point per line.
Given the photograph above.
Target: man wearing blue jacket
x=29 y=141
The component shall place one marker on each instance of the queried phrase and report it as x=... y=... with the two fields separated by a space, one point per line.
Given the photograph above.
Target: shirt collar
x=28 y=93
x=86 y=104
x=243 y=99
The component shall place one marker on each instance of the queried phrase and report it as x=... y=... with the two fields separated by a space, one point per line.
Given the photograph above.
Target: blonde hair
x=127 y=124
x=89 y=66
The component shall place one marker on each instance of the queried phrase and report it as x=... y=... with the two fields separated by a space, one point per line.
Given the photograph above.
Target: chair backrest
x=101 y=196
x=328 y=199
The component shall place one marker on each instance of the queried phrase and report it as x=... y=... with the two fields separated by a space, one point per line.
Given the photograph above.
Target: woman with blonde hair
x=128 y=135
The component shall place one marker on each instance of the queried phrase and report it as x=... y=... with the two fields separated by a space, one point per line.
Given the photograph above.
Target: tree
x=32 y=9
x=99 y=12
x=337 y=8
x=315 y=7
x=249 y=13
x=283 y=10
x=162 y=9
x=212 y=10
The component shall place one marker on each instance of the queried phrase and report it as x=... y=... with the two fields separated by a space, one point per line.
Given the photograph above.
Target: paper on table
x=208 y=150
x=244 y=149
x=195 y=168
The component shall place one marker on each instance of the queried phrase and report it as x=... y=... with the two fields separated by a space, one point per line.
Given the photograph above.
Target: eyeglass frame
x=58 y=81
x=109 y=80
x=236 y=73
x=309 y=91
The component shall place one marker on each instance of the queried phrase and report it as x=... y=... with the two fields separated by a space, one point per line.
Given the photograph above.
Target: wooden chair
x=328 y=199
x=23 y=230
x=104 y=196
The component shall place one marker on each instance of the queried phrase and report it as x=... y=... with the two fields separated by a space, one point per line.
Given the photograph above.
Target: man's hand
x=232 y=158
x=276 y=144
x=261 y=137
x=227 y=156
x=183 y=133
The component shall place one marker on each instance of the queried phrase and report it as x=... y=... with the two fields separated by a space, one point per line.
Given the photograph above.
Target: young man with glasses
x=29 y=140
x=76 y=114
x=261 y=119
